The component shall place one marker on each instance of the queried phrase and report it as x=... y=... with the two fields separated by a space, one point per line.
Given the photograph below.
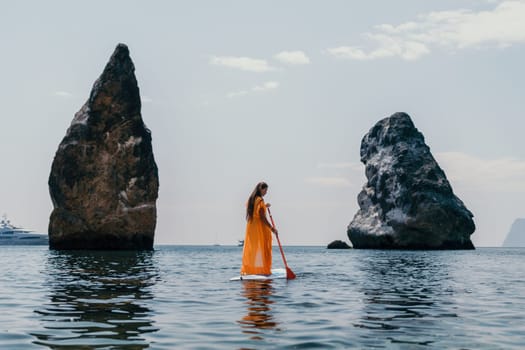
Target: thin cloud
x=267 y=86
x=387 y=47
x=329 y=181
x=242 y=63
x=337 y=174
x=292 y=57
x=341 y=165
x=63 y=94
x=500 y=27
x=237 y=94
x=479 y=174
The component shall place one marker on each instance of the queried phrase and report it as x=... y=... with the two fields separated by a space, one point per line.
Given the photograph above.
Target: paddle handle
x=278 y=240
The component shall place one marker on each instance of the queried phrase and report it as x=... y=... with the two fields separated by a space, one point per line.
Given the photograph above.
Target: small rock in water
x=338 y=244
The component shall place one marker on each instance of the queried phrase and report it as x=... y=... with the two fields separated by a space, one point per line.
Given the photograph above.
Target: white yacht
x=11 y=235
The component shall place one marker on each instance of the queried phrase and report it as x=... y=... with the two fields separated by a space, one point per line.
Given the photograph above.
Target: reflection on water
x=404 y=293
x=97 y=299
x=259 y=313
x=180 y=297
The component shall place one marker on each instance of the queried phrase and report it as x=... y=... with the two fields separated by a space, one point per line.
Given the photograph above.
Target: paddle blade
x=289 y=274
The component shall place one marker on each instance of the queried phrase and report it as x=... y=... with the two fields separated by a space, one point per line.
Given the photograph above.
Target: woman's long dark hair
x=257 y=192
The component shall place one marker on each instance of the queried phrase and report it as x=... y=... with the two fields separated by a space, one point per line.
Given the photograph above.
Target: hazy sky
x=236 y=92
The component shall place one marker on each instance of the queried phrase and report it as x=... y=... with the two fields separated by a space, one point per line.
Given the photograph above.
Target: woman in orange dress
x=257 y=252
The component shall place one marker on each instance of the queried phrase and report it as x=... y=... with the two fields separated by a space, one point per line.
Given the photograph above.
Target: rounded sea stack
x=407 y=201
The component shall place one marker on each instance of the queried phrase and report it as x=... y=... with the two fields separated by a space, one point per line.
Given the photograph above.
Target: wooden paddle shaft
x=278 y=240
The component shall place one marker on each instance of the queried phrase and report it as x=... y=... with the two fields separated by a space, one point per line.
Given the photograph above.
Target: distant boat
x=240 y=243
x=11 y=235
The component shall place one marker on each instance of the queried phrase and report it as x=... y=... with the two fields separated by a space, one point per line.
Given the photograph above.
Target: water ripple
x=180 y=297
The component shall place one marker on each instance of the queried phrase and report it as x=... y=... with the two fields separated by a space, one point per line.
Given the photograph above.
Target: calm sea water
x=179 y=297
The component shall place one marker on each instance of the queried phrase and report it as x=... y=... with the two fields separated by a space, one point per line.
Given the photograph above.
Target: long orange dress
x=257 y=252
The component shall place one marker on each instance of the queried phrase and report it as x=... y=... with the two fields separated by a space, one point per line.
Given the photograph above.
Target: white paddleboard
x=276 y=274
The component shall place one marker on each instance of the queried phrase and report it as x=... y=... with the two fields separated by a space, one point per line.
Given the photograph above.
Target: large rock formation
x=407 y=202
x=516 y=236
x=104 y=180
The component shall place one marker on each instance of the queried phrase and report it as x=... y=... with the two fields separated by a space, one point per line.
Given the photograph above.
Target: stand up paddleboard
x=276 y=274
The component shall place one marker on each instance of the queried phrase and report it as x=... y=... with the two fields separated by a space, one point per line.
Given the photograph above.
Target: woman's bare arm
x=262 y=214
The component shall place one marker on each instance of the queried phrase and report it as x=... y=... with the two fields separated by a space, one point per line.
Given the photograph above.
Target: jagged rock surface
x=104 y=179
x=407 y=202
x=516 y=235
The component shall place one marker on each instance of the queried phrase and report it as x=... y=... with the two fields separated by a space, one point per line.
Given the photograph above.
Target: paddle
x=289 y=273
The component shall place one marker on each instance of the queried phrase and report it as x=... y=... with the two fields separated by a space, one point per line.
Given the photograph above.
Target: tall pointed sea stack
x=407 y=202
x=104 y=180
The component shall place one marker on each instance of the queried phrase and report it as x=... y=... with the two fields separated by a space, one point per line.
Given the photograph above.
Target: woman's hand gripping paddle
x=289 y=273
